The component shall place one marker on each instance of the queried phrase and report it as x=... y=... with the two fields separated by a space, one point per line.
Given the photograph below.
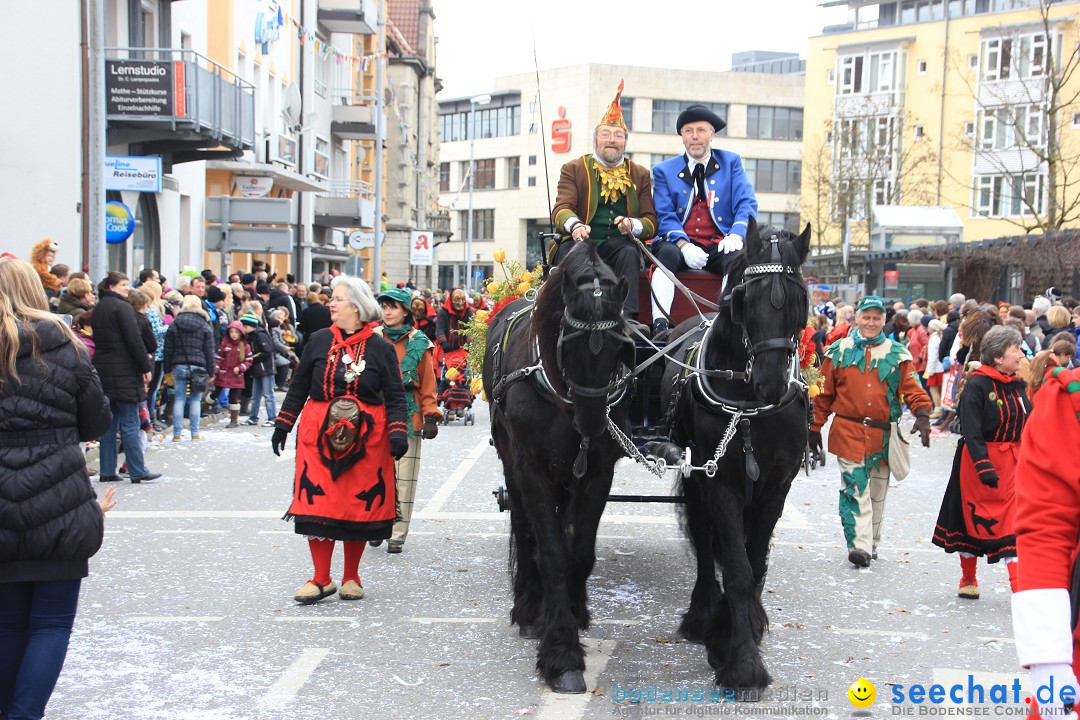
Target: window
x=969 y=129
x=655 y=159
x=1009 y=127
x=973 y=61
x=832 y=75
x=1076 y=120
x=444 y=177
x=322 y=157
x=921 y=67
x=532 y=159
x=532 y=182
x=871 y=72
x=1005 y=195
x=776 y=123
x=490 y=122
x=484 y=174
x=483 y=224
x=918 y=132
x=786 y=220
x=1021 y=57
x=666 y=112
x=513 y=172
x=775 y=176
x=627 y=106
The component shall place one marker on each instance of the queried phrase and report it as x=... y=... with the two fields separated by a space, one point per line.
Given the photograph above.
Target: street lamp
x=473 y=102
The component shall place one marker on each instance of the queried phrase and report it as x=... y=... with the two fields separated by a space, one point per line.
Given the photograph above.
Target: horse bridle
x=776 y=271
x=597 y=331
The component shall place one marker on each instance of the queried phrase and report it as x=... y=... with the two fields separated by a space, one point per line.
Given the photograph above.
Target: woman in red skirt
x=351 y=431
x=977 y=512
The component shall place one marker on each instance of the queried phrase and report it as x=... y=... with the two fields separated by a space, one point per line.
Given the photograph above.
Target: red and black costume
x=978 y=508
x=345 y=495
x=1048 y=524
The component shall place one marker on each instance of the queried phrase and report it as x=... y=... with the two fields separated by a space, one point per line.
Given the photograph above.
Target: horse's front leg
x=760 y=522
x=580 y=522
x=528 y=586
x=706 y=593
x=560 y=658
x=740 y=663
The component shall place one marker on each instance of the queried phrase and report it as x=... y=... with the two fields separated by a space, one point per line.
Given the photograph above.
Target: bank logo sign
x=136 y=174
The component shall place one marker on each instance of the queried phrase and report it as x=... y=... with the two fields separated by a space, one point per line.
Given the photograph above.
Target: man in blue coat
x=703 y=200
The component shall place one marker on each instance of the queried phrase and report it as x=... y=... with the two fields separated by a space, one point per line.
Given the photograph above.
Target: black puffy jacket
x=50 y=521
x=190 y=341
x=120 y=356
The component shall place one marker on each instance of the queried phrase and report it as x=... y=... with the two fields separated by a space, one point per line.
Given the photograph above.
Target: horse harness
x=741 y=411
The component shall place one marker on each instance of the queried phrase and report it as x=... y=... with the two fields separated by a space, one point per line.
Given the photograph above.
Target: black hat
x=262 y=289
x=247 y=278
x=696 y=112
x=214 y=294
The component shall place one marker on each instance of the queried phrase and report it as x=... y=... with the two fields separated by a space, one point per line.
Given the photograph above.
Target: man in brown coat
x=606 y=199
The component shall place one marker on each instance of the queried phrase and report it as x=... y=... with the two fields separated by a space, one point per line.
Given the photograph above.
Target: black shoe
x=110 y=478
x=859 y=558
x=874 y=553
x=374 y=543
x=145 y=478
x=661 y=329
x=393 y=548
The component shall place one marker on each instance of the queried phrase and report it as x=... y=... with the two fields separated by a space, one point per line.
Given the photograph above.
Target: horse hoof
x=571 y=681
x=530 y=632
x=714 y=660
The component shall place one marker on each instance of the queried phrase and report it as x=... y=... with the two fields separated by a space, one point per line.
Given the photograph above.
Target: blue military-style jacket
x=729 y=193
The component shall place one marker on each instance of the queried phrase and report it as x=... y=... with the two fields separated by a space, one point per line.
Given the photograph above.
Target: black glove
x=814 y=441
x=278 y=440
x=399 y=445
x=989 y=478
x=922 y=426
x=431 y=428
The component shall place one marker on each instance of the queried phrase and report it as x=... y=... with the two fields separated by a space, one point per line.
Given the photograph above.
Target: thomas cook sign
x=144 y=88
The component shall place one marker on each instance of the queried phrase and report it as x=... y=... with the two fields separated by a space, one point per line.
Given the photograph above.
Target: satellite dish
x=291 y=105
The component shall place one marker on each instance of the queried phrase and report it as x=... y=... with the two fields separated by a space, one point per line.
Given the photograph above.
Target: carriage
x=722 y=403
x=454 y=396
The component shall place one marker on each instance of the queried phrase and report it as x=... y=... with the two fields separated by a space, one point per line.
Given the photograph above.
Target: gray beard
x=605 y=163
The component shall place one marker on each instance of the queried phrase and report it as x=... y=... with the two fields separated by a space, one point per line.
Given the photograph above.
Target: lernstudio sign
x=137 y=174
x=144 y=88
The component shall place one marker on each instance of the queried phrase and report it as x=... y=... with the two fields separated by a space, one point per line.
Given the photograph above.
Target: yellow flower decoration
x=613 y=181
x=500 y=255
x=476 y=386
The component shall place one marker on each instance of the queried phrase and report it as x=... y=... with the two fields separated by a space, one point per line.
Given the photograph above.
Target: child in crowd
x=262 y=369
x=233 y=360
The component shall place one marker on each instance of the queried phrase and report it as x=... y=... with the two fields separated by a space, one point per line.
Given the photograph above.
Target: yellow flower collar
x=613 y=181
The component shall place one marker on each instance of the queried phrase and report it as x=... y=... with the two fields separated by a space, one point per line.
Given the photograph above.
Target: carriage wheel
x=469 y=419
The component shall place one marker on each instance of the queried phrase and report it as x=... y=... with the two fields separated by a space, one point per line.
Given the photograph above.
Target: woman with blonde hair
x=77 y=299
x=155 y=313
x=189 y=356
x=49 y=517
x=1059 y=354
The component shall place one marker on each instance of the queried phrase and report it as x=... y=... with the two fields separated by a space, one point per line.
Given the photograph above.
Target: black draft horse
x=549 y=420
x=746 y=357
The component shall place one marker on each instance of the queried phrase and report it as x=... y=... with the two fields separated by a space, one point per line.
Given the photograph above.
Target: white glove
x=732 y=243
x=694 y=256
x=1053 y=676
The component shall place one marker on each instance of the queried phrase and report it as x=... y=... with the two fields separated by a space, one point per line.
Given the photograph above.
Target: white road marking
x=288 y=685
x=173 y=618
x=572 y=707
x=315 y=618
x=445 y=620
x=616 y=622
x=883 y=633
x=948 y=677
x=190 y=532
x=443 y=493
x=280 y=532
x=889 y=550
x=200 y=514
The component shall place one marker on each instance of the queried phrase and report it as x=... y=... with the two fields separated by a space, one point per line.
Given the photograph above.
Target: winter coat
x=50 y=521
x=933 y=359
x=948 y=336
x=314 y=318
x=228 y=358
x=190 y=341
x=918 y=338
x=146 y=331
x=262 y=352
x=281 y=348
x=450 y=326
x=159 y=332
x=70 y=306
x=120 y=358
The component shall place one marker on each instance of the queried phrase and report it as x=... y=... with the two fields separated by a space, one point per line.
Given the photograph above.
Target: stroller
x=455 y=398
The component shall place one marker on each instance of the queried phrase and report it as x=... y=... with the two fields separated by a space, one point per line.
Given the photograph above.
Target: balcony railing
x=886 y=102
x=349 y=188
x=348 y=16
x=160 y=93
x=438 y=223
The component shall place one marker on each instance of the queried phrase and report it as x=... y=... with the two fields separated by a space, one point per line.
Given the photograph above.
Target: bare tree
x=1026 y=171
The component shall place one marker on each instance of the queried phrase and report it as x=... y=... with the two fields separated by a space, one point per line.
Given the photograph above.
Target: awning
x=283 y=177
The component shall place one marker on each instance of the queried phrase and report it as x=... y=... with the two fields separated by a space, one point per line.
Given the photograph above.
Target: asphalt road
x=188 y=610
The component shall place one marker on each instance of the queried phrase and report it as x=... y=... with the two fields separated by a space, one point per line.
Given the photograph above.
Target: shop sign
x=144 y=88
x=252 y=186
x=119 y=222
x=560 y=132
x=420 y=249
x=136 y=174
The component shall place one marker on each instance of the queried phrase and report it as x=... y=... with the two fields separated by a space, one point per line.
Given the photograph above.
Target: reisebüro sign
x=138 y=174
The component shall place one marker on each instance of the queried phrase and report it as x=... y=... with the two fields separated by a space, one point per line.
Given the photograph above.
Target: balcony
x=177 y=101
x=439 y=224
x=888 y=102
x=353 y=115
x=347 y=204
x=357 y=17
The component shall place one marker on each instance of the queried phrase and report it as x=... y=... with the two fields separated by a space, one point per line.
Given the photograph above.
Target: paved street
x=188 y=613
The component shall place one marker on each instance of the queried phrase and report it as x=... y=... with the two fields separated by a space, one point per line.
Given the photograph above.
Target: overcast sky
x=480 y=39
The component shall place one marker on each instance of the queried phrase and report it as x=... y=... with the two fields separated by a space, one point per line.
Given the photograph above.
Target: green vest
x=603 y=223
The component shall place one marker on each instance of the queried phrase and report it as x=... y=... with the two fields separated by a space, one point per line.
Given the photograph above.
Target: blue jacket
x=673 y=195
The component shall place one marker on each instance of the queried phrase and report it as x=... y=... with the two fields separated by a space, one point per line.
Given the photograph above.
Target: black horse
x=549 y=419
x=745 y=403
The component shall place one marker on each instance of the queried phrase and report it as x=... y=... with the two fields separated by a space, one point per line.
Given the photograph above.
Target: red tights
x=322 y=552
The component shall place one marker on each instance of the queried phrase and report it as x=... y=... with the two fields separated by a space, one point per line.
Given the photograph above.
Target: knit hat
x=1053 y=294
x=250 y=318
x=214 y=294
x=613 y=116
x=871 y=302
x=262 y=289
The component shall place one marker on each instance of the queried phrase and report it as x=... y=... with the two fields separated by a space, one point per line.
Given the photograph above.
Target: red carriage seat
x=703 y=283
